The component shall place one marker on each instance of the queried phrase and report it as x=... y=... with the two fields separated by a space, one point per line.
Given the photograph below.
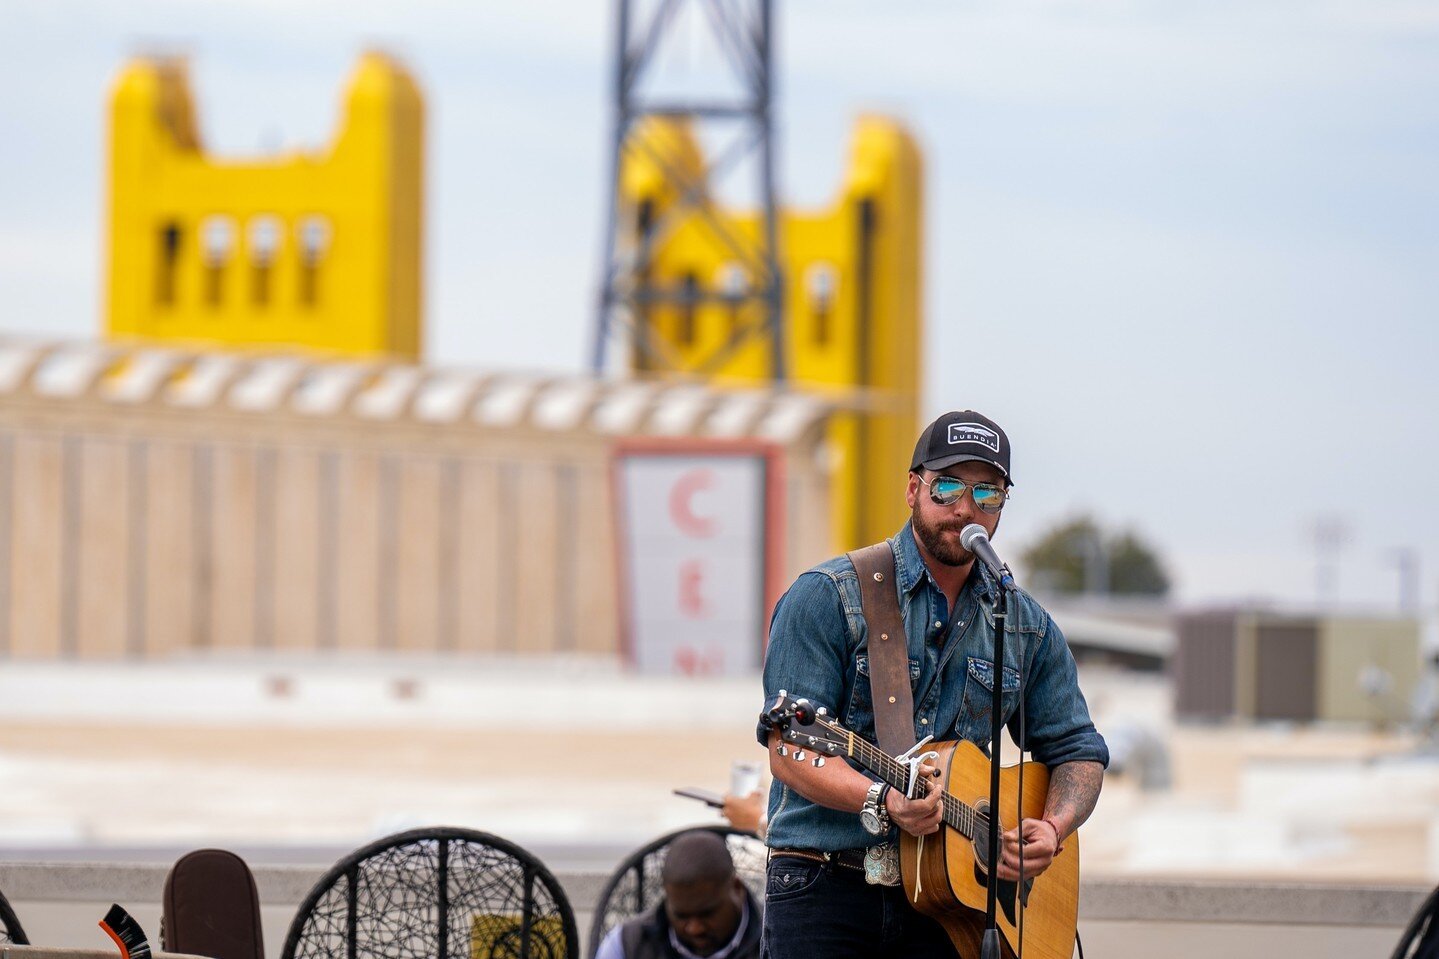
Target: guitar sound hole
x=981 y=838
x=1005 y=895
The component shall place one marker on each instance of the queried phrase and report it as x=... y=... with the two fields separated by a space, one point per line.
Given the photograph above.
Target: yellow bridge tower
x=851 y=301
x=317 y=250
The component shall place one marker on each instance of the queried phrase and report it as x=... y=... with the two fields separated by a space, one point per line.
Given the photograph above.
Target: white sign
x=693 y=538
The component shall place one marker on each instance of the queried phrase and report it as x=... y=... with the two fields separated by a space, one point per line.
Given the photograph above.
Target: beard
x=932 y=537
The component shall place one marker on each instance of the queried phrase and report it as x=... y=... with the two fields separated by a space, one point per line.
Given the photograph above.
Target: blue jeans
x=813 y=909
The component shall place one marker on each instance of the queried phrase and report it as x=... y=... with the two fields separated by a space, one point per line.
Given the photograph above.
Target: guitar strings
x=957 y=813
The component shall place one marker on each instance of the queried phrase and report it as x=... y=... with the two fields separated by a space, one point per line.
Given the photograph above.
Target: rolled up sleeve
x=1058 y=728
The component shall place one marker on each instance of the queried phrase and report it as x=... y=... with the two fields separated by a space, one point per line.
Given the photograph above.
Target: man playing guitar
x=833 y=879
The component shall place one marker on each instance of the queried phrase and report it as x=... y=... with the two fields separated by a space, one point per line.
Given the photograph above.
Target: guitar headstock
x=806 y=726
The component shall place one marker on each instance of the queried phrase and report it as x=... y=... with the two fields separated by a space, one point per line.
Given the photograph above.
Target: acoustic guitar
x=945 y=874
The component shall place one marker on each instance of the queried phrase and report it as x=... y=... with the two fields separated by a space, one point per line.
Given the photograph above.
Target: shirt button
x=924 y=722
x=938 y=624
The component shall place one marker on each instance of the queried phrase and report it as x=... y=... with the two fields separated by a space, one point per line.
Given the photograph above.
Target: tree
x=1079 y=557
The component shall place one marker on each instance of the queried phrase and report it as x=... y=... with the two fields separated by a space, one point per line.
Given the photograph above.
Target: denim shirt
x=818 y=649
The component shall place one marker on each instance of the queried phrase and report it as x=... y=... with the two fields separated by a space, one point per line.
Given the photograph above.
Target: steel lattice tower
x=735 y=111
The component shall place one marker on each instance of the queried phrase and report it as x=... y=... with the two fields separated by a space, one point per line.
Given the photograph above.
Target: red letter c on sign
x=682 y=504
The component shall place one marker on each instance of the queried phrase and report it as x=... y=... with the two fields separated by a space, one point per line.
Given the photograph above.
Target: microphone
x=976 y=540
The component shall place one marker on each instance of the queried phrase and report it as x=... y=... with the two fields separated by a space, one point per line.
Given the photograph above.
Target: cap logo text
x=973 y=433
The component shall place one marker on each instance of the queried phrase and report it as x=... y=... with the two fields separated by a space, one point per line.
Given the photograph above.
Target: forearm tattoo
x=1073 y=791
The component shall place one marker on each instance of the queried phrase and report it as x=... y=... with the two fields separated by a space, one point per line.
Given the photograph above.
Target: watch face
x=869 y=819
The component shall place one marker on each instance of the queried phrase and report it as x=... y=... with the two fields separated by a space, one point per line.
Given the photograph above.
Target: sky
x=1184 y=252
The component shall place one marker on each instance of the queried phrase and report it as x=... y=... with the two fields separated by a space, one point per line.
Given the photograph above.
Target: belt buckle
x=881 y=864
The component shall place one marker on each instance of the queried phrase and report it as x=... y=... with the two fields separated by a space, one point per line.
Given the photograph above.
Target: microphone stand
x=990 y=944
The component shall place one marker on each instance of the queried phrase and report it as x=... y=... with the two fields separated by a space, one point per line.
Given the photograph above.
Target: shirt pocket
x=973 y=723
x=860 y=716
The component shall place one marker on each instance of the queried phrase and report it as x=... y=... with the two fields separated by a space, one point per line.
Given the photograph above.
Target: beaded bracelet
x=1058 y=836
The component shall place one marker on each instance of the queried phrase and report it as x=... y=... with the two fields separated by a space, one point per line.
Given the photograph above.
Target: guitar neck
x=957 y=813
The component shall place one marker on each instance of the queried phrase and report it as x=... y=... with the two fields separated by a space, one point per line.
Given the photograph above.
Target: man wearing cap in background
x=833 y=831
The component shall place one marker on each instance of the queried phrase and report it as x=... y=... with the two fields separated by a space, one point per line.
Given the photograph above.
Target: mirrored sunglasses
x=946 y=491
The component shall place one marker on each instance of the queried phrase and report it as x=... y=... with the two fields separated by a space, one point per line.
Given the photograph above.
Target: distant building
x=158 y=502
x=1131 y=632
x=1262 y=665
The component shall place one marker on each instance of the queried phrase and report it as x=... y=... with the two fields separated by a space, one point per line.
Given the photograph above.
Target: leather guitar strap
x=888 y=649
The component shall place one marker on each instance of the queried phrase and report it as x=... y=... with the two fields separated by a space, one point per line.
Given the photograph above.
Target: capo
x=908 y=758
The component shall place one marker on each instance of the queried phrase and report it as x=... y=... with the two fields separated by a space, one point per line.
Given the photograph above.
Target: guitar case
x=211 y=907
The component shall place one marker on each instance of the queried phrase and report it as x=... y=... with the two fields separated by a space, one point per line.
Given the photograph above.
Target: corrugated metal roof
x=277 y=382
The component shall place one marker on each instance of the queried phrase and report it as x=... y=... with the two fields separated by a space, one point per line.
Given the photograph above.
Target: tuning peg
x=799 y=755
x=823 y=711
x=818 y=761
x=782 y=749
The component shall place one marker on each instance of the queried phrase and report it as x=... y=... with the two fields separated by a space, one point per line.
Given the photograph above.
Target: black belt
x=841 y=858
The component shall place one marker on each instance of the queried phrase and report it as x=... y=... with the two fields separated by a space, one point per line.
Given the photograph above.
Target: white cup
x=743 y=777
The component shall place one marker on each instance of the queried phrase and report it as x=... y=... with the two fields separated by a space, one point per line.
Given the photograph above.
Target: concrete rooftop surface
x=293 y=759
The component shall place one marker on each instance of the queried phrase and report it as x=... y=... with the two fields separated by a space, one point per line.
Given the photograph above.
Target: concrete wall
x=59 y=904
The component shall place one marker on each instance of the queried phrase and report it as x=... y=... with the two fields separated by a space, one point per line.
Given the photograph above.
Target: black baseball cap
x=960 y=437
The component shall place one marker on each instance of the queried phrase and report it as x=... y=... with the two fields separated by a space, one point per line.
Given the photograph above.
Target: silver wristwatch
x=873 y=815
